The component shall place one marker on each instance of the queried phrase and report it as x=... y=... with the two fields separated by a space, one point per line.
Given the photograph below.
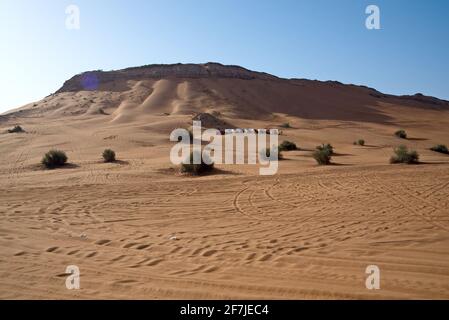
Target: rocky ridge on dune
x=160 y=71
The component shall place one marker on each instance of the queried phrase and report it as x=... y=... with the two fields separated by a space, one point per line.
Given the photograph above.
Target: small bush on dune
x=326 y=147
x=287 y=146
x=403 y=155
x=401 y=134
x=285 y=125
x=54 y=158
x=441 y=148
x=197 y=169
x=322 y=156
x=359 y=142
x=108 y=155
x=16 y=129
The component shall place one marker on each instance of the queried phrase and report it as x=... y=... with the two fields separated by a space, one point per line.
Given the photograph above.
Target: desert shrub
x=359 y=142
x=196 y=169
x=285 y=125
x=401 y=134
x=109 y=155
x=403 y=155
x=327 y=148
x=287 y=146
x=322 y=156
x=16 y=129
x=54 y=159
x=441 y=148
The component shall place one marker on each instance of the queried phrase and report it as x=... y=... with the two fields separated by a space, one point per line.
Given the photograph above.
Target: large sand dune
x=137 y=229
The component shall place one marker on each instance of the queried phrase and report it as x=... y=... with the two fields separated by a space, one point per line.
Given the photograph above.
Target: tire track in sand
x=406 y=203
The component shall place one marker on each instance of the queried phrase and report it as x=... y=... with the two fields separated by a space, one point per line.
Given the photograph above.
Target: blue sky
x=315 y=39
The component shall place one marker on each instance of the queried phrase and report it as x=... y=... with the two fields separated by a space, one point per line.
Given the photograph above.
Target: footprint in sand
x=102 y=242
x=92 y=254
x=125 y=281
x=265 y=257
x=129 y=245
x=211 y=269
x=176 y=249
x=197 y=251
x=154 y=262
x=209 y=253
x=142 y=246
x=118 y=258
x=251 y=256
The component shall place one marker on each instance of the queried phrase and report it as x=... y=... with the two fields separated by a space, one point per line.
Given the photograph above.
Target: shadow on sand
x=40 y=167
x=336 y=164
x=336 y=154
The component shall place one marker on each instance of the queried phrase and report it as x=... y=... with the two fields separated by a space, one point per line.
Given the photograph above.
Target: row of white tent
x=263 y=131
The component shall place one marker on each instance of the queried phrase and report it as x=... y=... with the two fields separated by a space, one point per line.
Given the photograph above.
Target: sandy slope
x=307 y=232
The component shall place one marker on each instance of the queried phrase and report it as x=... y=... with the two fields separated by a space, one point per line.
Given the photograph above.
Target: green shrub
x=285 y=125
x=109 y=155
x=359 y=142
x=326 y=147
x=323 y=154
x=16 y=129
x=54 y=158
x=401 y=134
x=287 y=146
x=403 y=155
x=196 y=169
x=441 y=148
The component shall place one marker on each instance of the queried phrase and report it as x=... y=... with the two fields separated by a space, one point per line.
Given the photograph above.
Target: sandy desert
x=137 y=228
